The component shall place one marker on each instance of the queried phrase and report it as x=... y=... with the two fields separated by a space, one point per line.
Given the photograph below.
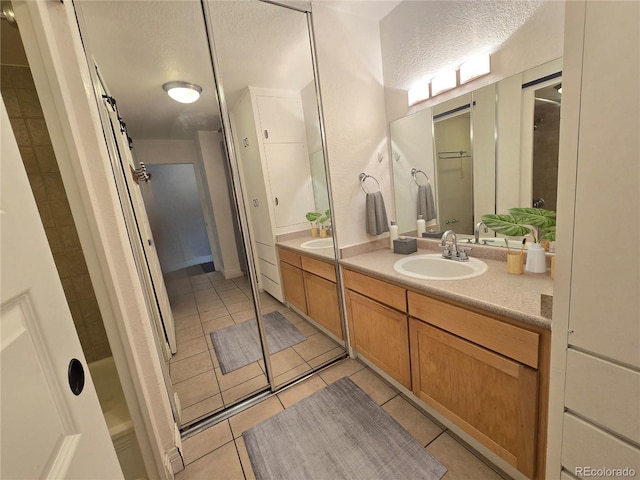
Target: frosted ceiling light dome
x=183 y=92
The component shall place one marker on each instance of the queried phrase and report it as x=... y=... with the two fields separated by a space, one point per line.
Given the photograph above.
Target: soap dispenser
x=393 y=234
x=420 y=226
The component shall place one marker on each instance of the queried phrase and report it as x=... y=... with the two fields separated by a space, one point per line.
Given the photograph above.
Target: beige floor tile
x=254 y=415
x=232 y=292
x=186 y=322
x=196 y=389
x=306 y=328
x=293 y=317
x=221 y=464
x=223 y=285
x=344 y=368
x=461 y=463
x=240 y=306
x=374 y=386
x=219 y=323
x=190 y=347
x=205 y=294
x=244 y=315
x=278 y=307
x=326 y=357
x=206 y=441
x=244 y=389
x=301 y=390
x=211 y=310
x=244 y=459
x=198 y=410
x=184 y=311
x=285 y=360
x=238 y=376
x=412 y=420
x=314 y=346
x=293 y=374
x=189 y=333
x=190 y=367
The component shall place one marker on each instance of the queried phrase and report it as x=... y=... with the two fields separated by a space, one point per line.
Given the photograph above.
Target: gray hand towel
x=426 y=205
x=376 y=214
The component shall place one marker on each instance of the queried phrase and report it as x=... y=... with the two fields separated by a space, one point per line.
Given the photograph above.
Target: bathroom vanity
x=309 y=283
x=476 y=351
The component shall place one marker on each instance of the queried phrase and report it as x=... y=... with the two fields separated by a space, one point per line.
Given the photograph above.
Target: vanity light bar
x=443 y=82
x=418 y=93
x=474 y=68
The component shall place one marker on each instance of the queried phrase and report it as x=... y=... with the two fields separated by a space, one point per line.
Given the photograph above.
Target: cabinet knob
x=266 y=134
x=276 y=201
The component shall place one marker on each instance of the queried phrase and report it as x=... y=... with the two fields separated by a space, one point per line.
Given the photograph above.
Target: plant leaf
x=313 y=216
x=505 y=224
x=536 y=217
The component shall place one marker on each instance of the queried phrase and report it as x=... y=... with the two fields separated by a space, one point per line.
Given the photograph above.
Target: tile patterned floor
x=219 y=452
x=205 y=302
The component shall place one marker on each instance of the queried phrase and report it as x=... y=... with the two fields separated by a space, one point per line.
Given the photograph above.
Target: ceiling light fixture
x=418 y=93
x=474 y=68
x=183 y=92
x=443 y=82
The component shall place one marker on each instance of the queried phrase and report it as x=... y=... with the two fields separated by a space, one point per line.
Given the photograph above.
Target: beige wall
x=350 y=73
x=27 y=121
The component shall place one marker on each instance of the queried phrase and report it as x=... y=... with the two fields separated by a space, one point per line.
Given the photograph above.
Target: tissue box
x=405 y=246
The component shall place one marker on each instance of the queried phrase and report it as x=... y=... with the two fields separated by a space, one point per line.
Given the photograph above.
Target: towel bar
x=363 y=177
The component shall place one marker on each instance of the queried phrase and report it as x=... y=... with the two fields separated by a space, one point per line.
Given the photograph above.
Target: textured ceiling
x=139 y=45
x=440 y=34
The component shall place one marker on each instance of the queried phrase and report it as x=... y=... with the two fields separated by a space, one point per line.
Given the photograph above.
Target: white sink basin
x=434 y=267
x=318 y=243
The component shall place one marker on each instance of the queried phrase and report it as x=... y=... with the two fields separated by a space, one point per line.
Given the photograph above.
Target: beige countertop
x=320 y=253
x=496 y=291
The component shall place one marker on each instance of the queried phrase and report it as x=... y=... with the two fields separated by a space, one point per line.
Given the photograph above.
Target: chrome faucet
x=476 y=231
x=453 y=252
x=449 y=252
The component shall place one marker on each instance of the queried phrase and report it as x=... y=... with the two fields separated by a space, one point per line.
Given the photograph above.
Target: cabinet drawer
x=319 y=268
x=506 y=339
x=289 y=257
x=586 y=445
x=604 y=392
x=379 y=290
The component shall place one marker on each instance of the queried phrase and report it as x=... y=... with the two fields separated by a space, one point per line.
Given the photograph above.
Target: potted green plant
x=322 y=220
x=313 y=218
x=537 y=222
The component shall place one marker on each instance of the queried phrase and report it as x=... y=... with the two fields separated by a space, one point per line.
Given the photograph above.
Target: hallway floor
x=219 y=452
x=204 y=302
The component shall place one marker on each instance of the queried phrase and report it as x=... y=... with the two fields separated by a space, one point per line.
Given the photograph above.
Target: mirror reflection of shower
x=546 y=136
x=454 y=172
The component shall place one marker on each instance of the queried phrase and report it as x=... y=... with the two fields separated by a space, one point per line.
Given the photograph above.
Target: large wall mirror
x=455 y=144
x=180 y=195
x=489 y=148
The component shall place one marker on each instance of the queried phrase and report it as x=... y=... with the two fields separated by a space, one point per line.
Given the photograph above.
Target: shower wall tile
x=27 y=121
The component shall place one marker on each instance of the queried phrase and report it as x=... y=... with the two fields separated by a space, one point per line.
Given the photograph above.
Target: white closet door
x=281 y=119
x=290 y=182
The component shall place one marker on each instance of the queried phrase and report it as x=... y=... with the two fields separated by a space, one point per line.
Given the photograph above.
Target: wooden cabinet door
x=492 y=398
x=293 y=283
x=322 y=303
x=381 y=335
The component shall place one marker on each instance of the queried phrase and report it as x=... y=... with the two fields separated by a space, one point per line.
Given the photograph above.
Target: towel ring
x=415 y=172
x=363 y=177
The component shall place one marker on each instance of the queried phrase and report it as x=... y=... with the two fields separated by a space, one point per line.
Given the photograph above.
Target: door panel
x=47 y=431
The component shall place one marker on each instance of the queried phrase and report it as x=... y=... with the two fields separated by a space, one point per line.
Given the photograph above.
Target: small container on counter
x=393 y=234
x=405 y=246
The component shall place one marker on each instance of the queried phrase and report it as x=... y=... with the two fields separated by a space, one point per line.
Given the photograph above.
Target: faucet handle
x=446 y=252
x=462 y=253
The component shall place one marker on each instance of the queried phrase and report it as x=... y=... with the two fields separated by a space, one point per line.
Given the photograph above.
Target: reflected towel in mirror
x=376 y=214
x=426 y=205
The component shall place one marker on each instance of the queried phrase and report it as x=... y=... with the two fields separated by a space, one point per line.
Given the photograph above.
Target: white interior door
x=139 y=228
x=48 y=431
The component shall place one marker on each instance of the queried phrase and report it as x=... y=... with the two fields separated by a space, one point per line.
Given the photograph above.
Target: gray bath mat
x=239 y=345
x=337 y=433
